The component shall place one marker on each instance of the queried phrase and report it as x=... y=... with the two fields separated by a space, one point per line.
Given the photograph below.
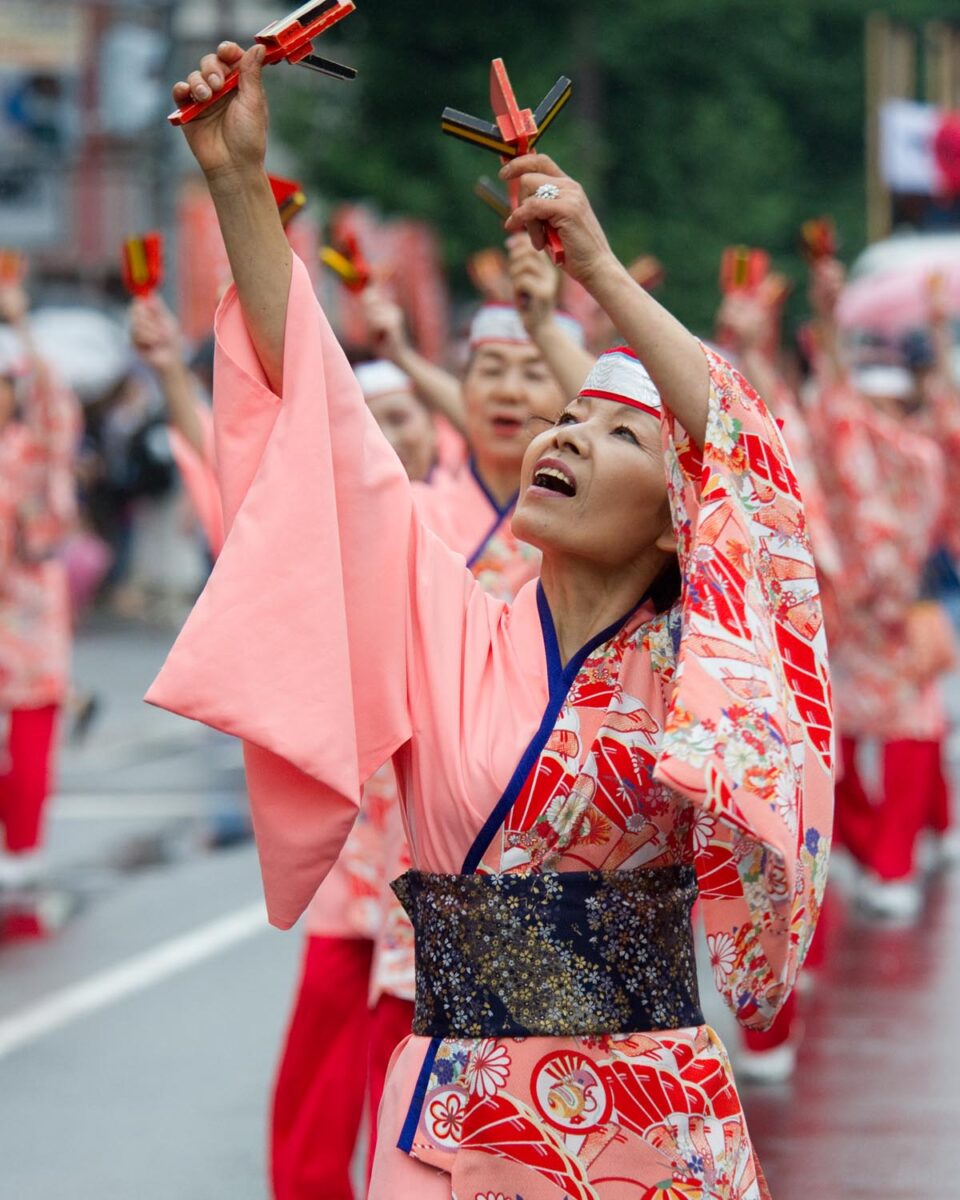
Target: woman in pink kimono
x=39 y=429
x=573 y=766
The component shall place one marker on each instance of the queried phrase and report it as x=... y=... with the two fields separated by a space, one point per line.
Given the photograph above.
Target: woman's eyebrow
x=582 y=401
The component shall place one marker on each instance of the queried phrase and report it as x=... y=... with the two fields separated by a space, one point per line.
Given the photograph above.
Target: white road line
x=136 y=806
x=137 y=973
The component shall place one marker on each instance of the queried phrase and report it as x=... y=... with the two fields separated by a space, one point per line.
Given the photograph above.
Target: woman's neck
x=500 y=479
x=585 y=598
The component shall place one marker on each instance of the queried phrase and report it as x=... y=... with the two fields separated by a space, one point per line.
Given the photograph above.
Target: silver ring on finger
x=547 y=191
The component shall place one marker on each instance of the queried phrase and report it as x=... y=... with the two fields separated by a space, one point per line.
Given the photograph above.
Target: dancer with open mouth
x=648 y=720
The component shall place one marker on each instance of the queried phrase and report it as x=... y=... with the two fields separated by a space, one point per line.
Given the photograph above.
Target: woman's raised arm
x=670 y=353
x=229 y=142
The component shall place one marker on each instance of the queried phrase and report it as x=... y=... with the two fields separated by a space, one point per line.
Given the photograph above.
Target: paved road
x=874 y=1109
x=136 y=1049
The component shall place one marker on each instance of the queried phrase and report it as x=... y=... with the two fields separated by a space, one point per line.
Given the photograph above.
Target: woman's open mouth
x=550 y=475
x=507 y=427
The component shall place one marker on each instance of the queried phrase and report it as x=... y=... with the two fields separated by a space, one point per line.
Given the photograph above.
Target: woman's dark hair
x=665 y=590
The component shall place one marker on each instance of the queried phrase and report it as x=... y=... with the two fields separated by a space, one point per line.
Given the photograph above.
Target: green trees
x=694 y=123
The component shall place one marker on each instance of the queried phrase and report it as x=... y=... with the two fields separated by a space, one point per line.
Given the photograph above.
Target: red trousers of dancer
x=881 y=832
x=334 y=1063
x=322 y=1080
x=25 y=783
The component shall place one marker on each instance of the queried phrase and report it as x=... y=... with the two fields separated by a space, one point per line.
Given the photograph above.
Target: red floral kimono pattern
x=796 y=435
x=885 y=486
x=37 y=510
x=700 y=736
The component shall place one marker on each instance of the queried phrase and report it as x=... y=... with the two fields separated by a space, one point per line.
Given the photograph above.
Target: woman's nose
x=511 y=386
x=569 y=437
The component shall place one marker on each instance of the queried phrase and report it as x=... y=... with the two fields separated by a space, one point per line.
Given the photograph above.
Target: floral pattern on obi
x=552 y=953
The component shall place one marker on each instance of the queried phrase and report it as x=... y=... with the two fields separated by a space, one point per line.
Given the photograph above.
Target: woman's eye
x=626 y=431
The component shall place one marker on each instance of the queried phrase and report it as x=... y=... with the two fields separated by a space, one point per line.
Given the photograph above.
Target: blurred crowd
x=108 y=499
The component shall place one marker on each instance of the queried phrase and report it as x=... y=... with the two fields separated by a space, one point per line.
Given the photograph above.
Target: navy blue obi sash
x=557 y=954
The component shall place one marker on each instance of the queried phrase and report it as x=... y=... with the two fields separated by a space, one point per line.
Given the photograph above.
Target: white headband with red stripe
x=619 y=375
x=502 y=323
x=381 y=378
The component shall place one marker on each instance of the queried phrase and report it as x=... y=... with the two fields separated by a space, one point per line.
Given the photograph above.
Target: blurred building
x=86 y=156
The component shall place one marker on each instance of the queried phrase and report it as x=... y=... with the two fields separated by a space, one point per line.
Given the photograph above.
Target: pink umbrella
x=895 y=301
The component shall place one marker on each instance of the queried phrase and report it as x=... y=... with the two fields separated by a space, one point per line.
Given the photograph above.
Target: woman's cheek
x=536 y=449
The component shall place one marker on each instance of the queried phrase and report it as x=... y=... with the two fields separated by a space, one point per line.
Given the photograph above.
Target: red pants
x=881 y=832
x=322 y=1079
x=25 y=784
x=335 y=1059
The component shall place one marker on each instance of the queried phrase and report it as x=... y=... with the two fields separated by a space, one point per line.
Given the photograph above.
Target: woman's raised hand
x=585 y=245
x=232 y=135
x=535 y=280
x=827 y=279
x=155 y=334
x=384 y=318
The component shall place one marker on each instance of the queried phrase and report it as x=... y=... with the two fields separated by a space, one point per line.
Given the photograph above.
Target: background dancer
x=39 y=432
x=884 y=479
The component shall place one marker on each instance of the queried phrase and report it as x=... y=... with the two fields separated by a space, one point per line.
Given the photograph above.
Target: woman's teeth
x=554 y=481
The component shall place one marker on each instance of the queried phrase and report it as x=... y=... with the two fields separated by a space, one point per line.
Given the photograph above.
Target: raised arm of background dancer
x=671 y=354
x=827 y=278
x=745 y=321
x=535 y=284
x=229 y=142
x=440 y=391
x=155 y=333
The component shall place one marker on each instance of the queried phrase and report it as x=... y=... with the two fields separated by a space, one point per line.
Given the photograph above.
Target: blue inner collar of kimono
x=561 y=677
x=500 y=510
x=559 y=680
x=499 y=518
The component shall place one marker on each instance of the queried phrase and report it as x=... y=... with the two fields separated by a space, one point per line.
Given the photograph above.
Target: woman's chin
x=537 y=529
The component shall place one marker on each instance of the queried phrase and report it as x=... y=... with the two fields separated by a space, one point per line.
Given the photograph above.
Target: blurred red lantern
x=946 y=150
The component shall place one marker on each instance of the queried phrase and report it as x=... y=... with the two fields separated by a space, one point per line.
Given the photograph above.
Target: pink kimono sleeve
x=749 y=729
x=304 y=639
